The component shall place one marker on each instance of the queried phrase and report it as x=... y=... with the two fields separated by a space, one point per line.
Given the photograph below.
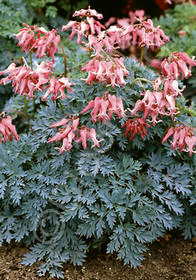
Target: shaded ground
x=171 y=258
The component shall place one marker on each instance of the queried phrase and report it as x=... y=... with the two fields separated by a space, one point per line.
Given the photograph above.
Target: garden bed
x=170 y=258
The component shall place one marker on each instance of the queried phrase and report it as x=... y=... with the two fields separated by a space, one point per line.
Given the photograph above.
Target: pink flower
x=86 y=133
x=7 y=129
x=145 y=34
x=112 y=72
x=183 y=138
x=67 y=134
x=25 y=81
x=156 y=63
x=171 y=87
x=182 y=32
x=134 y=126
x=87 y=13
x=176 y=64
x=38 y=40
x=47 y=43
x=103 y=108
x=55 y=86
x=154 y=104
x=87 y=27
x=71 y=131
x=26 y=37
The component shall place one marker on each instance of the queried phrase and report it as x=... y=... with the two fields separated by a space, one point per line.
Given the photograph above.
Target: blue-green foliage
x=122 y=195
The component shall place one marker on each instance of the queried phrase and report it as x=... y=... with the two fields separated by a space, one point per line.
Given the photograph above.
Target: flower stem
x=25 y=104
x=141 y=55
x=141 y=80
x=24 y=115
x=31 y=65
x=31 y=62
x=64 y=56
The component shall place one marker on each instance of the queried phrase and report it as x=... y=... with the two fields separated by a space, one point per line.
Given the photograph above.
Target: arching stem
x=64 y=56
x=24 y=115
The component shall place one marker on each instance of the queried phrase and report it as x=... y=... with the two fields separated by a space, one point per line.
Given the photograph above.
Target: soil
x=170 y=258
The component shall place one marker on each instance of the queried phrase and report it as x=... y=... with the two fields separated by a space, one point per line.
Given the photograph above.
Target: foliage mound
x=119 y=194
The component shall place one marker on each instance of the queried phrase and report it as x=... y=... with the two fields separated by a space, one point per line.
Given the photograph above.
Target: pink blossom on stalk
x=7 y=129
x=87 y=13
x=170 y=86
x=46 y=43
x=86 y=27
x=112 y=72
x=71 y=131
x=86 y=133
x=154 y=104
x=67 y=134
x=26 y=37
x=108 y=40
x=55 y=86
x=183 y=138
x=176 y=64
x=145 y=34
x=24 y=80
x=39 y=40
x=104 y=107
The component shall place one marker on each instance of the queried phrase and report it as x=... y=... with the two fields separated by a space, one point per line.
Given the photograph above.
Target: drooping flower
x=26 y=37
x=104 y=107
x=154 y=104
x=170 y=86
x=7 y=129
x=126 y=25
x=67 y=134
x=176 y=65
x=183 y=138
x=146 y=34
x=84 y=134
x=39 y=40
x=134 y=126
x=24 y=80
x=47 y=43
x=55 y=86
x=112 y=72
x=71 y=131
x=87 y=13
x=86 y=27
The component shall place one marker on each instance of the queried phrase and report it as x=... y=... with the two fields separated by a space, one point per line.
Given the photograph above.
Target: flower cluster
x=134 y=126
x=7 y=129
x=55 y=86
x=104 y=107
x=154 y=104
x=146 y=35
x=176 y=65
x=25 y=81
x=71 y=132
x=39 y=40
x=112 y=71
x=85 y=27
x=103 y=67
x=139 y=31
x=183 y=137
